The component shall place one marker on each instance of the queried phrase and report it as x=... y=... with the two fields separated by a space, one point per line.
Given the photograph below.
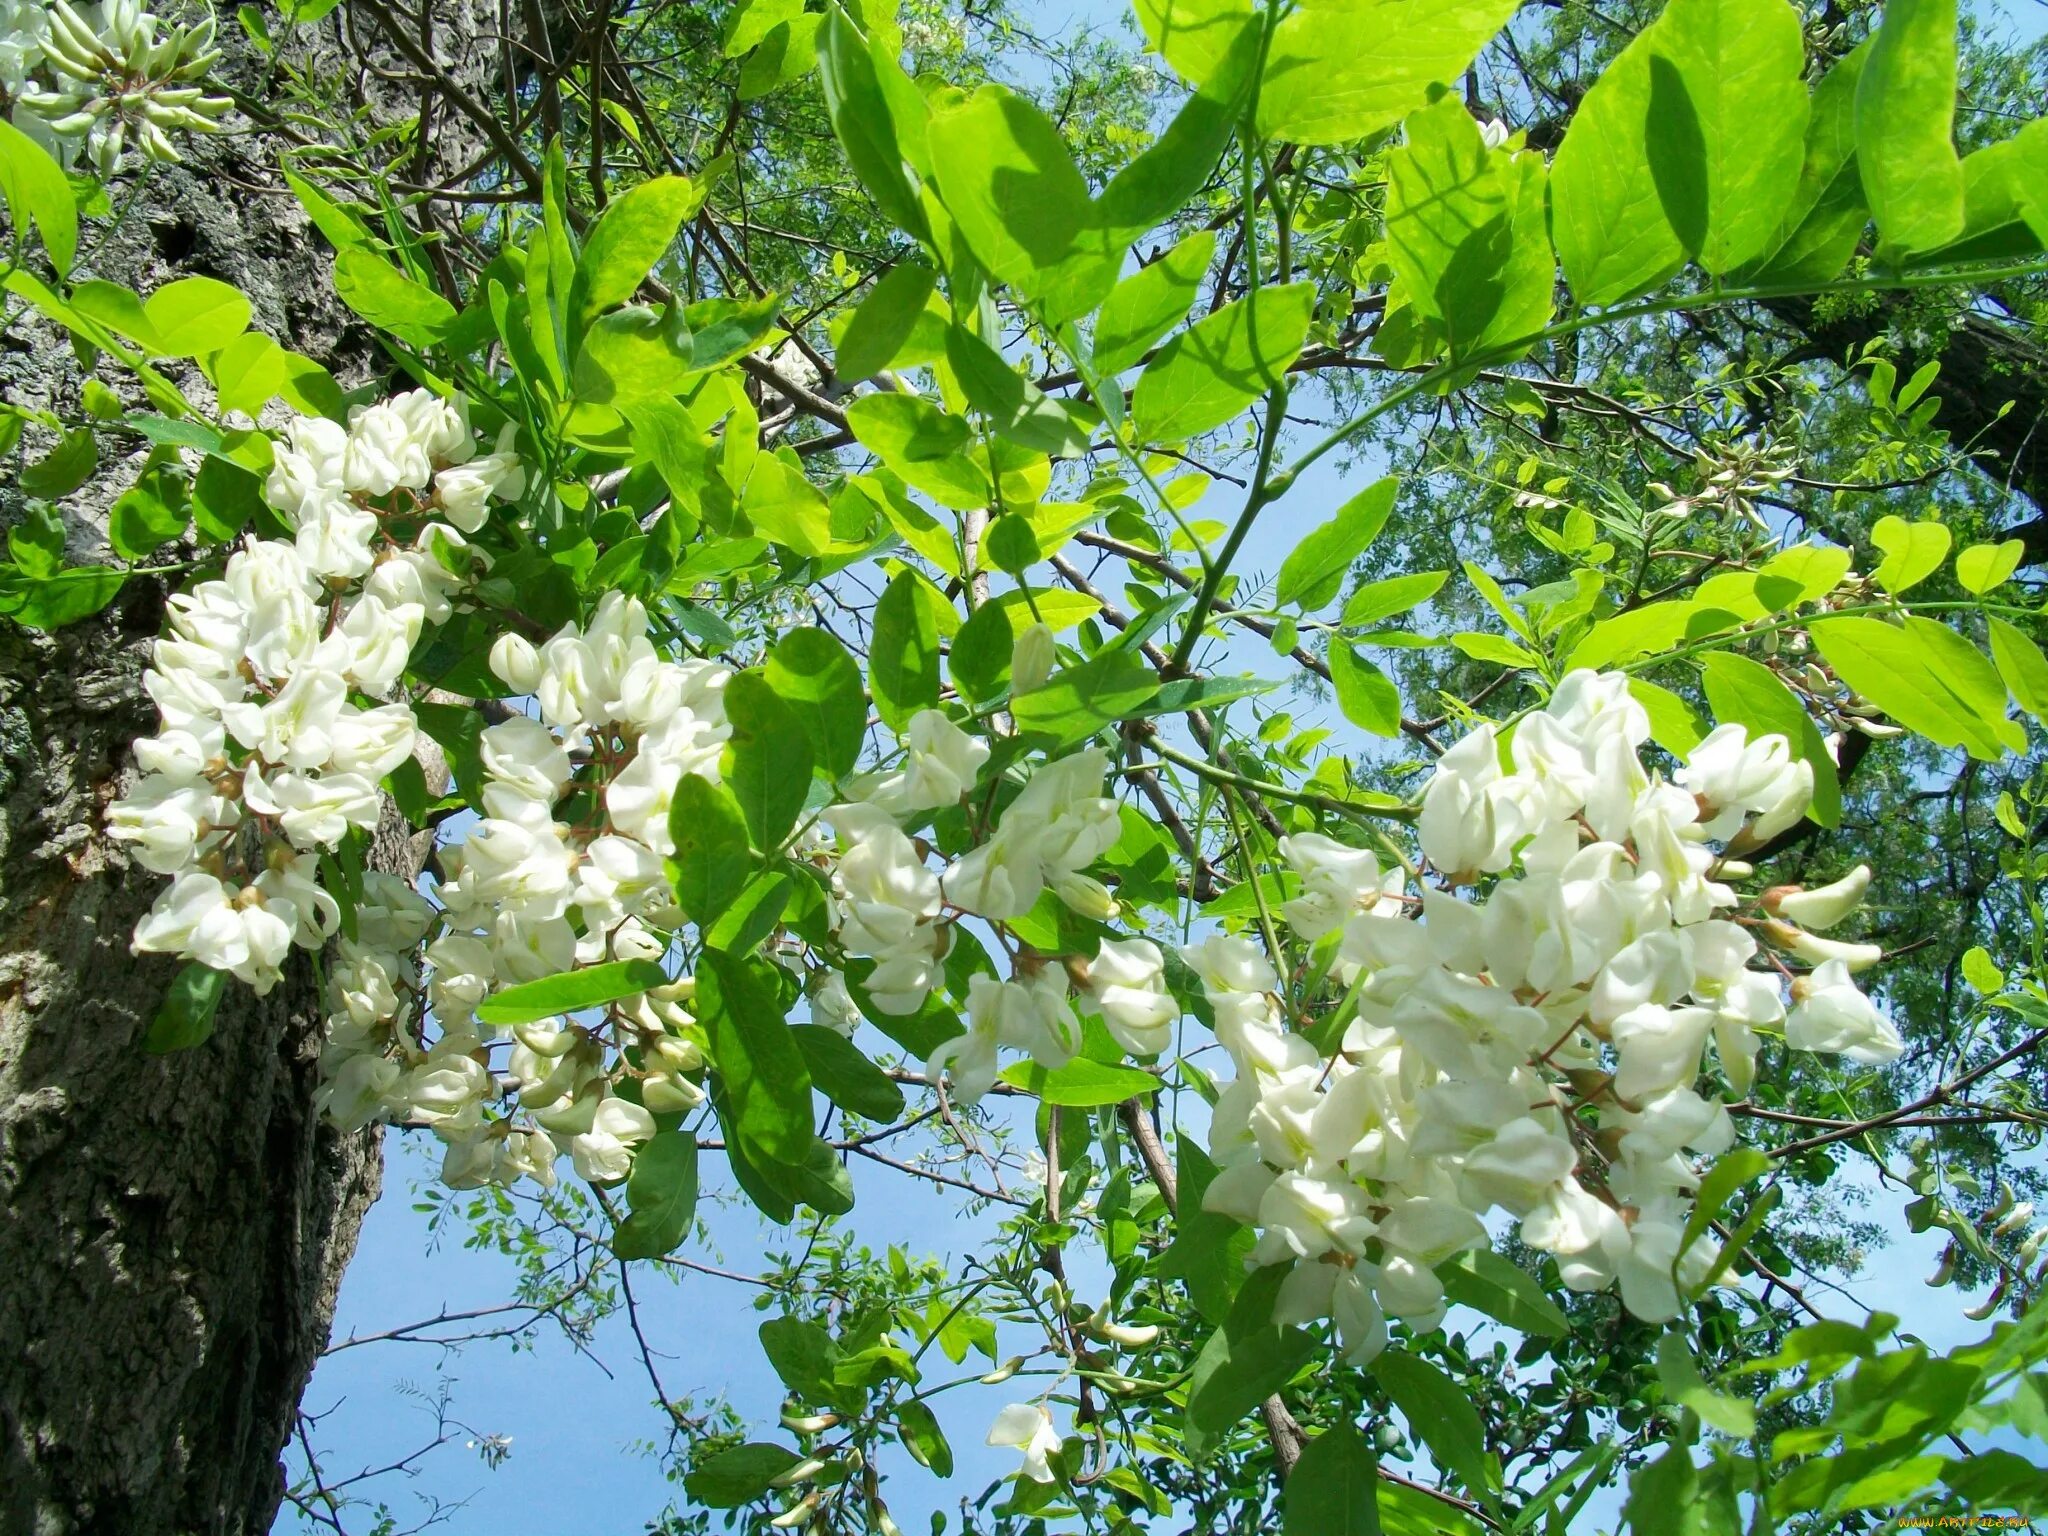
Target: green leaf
x=1367 y=695
x=37 y=192
x=1194 y=36
x=884 y=321
x=1019 y=202
x=2022 y=666
x=1081 y=1083
x=1731 y=1170
x=803 y=1355
x=1912 y=552
x=1314 y=571
x=64 y=468
x=148 y=515
x=1390 y=595
x=119 y=310
x=919 y=1429
x=1149 y=303
x=633 y=233
x=571 y=992
x=1248 y=1359
x=1674 y=724
x=1208 y=1250
x=753 y=914
x=185 y=1018
x=1982 y=567
x=1155 y=187
x=197 y=314
x=630 y=356
x=1334 y=1488
x=1482 y=646
x=785 y=508
x=1905 y=123
x=74 y=593
x=1680 y=1375
x=812 y=673
x=852 y=74
x=767 y=762
x=758 y=1061
x=663 y=1190
x=1465 y=231
x=738 y=1476
x=1340 y=73
x=1926 y=677
x=247 y=372
x=1727 y=123
x=788 y=53
x=1748 y=693
x=719 y=330
x=1481 y=1279
x=1079 y=700
x=1824 y=220
x=749 y=23
x=1605 y=211
x=903 y=658
x=1211 y=371
x=923 y=445
x=847 y=1077
x=389 y=300
x=1440 y=1415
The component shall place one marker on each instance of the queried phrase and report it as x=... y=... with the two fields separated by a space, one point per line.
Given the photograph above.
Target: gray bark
x=173 y=1230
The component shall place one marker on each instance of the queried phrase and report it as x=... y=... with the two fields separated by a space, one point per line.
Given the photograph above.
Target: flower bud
x=665 y=1093
x=1810 y=947
x=1824 y=907
x=1086 y=895
x=1031 y=661
x=1003 y=1372
x=515 y=662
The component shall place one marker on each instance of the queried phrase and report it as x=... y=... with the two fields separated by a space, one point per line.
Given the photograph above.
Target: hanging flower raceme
x=1531 y=1022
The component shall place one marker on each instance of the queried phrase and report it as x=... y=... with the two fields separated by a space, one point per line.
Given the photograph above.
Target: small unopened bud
x=1003 y=1372
x=1811 y=947
x=809 y=1423
x=1736 y=869
x=516 y=663
x=1823 y=907
x=1085 y=895
x=802 y=1472
x=1031 y=661
x=797 y=1514
x=2016 y=1218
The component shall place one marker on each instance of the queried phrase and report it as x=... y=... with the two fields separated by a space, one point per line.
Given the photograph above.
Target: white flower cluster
x=891 y=907
x=1534 y=1050
x=115 y=78
x=266 y=759
x=270 y=750
x=563 y=870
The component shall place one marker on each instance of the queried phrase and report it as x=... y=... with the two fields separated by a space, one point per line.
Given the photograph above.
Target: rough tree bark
x=172 y=1230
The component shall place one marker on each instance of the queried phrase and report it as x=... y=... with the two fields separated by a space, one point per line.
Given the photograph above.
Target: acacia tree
x=797 y=571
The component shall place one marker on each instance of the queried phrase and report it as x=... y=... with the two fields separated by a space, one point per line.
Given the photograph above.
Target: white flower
x=1127 y=982
x=1830 y=1014
x=604 y=1153
x=1337 y=880
x=939 y=766
x=1027 y=1427
x=1058 y=826
x=1735 y=776
x=465 y=491
x=384 y=452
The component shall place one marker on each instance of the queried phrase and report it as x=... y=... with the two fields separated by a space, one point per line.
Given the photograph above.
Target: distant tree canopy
x=735 y=641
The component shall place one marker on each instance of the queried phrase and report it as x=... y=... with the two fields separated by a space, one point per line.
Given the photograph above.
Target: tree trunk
x=173 y=1230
